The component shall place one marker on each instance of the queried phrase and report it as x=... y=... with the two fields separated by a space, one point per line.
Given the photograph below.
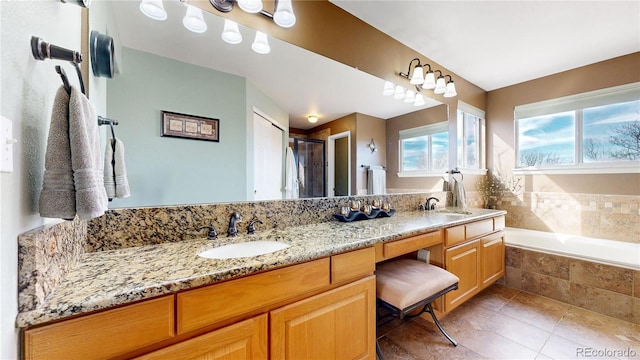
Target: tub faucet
x=428 y=205
x=233 y=229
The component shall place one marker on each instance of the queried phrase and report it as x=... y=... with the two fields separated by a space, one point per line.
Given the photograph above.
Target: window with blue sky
x=424 y=149
x=594 y=128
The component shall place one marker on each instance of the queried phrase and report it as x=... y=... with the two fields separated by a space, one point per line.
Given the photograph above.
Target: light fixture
x=419 y=101
x=284 y=16
x=231 y=32
x=398 y=94
x=388 y=88
x=450 y=90
x=372 y=146
x=441 y=86
x=250 y=6
x=410 y=96
x=312 y=119
x=261 y=43
x=153 y=9
x=427 y=81
x=194 y=21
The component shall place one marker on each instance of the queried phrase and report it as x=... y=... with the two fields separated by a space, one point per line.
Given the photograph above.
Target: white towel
x=459 y=195
x=376 y=181
x=291 y=178
x=115 y=171
x=58 y=195
x=73 y=152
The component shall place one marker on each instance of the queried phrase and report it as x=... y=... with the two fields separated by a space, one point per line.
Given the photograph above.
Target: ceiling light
x=441 y=86
x=194 y=21
x=428 y=81
x=261 y=43
x=410 y=96
x=450 y=90
x=284 y=15
x=231 y=32
x=312 y=119
x=153 y=9
x=388 y=88
x=250 y=6
x=419 y=101
x=398 y=93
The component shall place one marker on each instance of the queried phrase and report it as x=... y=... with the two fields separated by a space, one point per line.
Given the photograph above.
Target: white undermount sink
x=243 y=249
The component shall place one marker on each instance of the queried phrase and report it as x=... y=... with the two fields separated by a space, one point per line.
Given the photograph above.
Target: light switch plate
x=6 y=145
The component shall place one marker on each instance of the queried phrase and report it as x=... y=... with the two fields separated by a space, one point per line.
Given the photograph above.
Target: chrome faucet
x=212 y=234
x=233 y=229
x=428 y=205
x=251 y=228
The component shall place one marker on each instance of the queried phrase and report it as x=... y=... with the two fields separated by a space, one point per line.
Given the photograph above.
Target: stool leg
x=435 y=320
x=379 y=351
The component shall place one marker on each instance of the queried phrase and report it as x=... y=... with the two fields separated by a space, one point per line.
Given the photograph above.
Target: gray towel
x=91 y=196
x=115 y=176
x=459 y=195
x=58 y=196
x=73 y=166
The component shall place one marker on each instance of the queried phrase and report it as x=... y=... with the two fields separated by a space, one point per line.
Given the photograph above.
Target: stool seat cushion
x=405 y=282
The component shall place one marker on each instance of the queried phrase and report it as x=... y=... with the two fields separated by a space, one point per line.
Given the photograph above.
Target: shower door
x=309 y=156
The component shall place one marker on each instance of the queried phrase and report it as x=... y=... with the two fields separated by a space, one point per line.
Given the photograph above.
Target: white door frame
x=331 y=166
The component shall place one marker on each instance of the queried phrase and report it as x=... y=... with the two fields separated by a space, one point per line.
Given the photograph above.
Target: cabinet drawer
x=211 y=304
x=479 y=228
x=454 y=235
x=103 y=335
x=353 y=265
x=414 y=243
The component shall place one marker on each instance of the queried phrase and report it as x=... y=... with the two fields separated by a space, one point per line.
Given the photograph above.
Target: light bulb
x=418 y=76
x=388 y=88
x=231 y=32
x=194 y=21
x=153 y=9
x=284 y=16
x=250 y=6
x=261 y=43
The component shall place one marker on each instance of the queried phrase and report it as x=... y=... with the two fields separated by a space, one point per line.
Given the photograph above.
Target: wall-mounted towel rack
x=454 y=172
x=106 y=121
x=42 y=50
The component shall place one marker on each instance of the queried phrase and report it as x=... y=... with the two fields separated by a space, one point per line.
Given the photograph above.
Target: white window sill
x=472 y=171
x=422 y=174
x=632 y=167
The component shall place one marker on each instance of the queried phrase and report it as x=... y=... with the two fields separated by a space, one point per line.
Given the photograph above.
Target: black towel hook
x=42 y=50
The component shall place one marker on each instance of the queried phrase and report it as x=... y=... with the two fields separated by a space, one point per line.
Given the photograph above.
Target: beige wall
x=501 y=131
x=394 y=125
x=367 y=128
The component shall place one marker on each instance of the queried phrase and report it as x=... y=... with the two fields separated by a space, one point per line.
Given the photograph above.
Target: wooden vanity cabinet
x=475 y=253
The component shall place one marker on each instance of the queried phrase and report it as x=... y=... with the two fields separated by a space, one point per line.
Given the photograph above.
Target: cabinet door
x=338 y=324
x=492 y=258
x=244 y=340
x=463 y=261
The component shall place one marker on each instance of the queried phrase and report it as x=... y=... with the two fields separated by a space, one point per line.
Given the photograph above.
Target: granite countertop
x=109 y=278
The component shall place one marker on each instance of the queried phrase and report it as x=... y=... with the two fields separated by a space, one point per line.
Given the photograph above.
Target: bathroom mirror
x=162 y=66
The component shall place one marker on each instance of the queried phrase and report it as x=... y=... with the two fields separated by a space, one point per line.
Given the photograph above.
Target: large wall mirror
x=162 y=66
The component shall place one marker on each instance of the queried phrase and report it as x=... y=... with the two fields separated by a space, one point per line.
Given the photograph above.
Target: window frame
x=577 y=104
x=461 y=143
x=425 y=130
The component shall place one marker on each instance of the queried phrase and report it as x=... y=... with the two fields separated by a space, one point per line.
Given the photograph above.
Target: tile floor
x=505 y=323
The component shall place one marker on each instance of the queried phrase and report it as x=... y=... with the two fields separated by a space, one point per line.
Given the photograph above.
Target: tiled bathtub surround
x=605 y=289
x=45 y=254
x=613 y=217
x=145 y=226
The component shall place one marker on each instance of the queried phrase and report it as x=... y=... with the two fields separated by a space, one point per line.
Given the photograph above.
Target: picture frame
x=189 y=126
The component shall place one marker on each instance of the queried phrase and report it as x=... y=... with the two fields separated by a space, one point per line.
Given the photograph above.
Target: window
x=470 y=138
x=424 y=150
x=596 y=131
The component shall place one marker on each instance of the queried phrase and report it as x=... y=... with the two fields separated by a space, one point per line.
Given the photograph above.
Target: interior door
x=268 y=158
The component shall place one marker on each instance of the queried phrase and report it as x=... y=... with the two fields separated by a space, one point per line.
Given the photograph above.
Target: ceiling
x=489 y=43
x=494 y=44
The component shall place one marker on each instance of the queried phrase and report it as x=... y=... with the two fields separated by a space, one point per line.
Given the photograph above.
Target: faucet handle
x=251 y=228
x=212 y=234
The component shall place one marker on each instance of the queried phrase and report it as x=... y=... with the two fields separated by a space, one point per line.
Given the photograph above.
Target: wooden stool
x=404 y=285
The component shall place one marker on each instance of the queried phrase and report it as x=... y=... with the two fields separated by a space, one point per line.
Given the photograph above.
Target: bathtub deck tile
x=546 y=264
x=602 y=301
x=549 y=286
x=602 y=276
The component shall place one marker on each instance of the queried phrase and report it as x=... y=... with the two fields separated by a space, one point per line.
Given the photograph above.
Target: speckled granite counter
x=115 y=277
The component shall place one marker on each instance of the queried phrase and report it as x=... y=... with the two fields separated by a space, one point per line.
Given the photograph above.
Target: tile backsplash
x=613 y=217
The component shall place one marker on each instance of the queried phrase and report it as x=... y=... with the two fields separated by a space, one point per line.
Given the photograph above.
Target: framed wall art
x=190 y=126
